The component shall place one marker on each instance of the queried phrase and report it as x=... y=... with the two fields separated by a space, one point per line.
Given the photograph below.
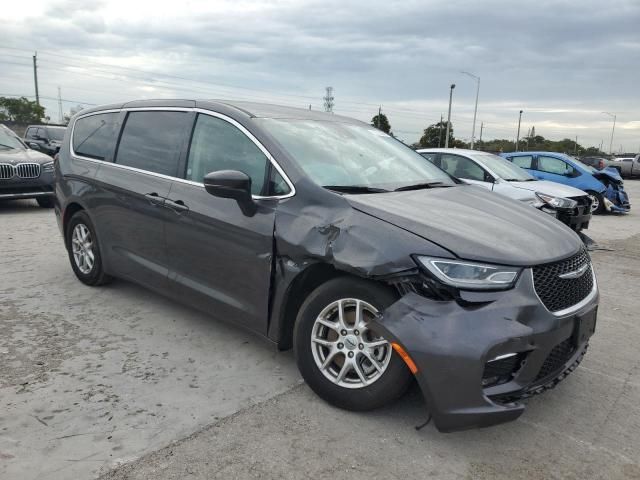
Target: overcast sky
x=562 y=62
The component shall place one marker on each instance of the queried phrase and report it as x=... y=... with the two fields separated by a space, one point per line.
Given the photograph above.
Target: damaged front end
x=616 y=199
x=476 y=354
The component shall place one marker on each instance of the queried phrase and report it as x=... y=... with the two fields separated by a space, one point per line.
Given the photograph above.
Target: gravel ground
x=122 y=383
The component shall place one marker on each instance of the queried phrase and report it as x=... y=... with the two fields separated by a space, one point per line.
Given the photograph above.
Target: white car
x=571 y=206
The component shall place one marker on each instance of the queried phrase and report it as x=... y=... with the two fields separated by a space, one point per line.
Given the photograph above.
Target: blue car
x=605 y=186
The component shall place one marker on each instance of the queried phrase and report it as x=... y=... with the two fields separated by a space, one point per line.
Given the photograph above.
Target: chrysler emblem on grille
x=576 y=273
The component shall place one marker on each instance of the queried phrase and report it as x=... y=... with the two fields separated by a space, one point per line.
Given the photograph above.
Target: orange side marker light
x=405 y=356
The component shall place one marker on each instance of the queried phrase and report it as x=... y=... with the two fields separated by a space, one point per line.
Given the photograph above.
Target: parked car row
x=626 y=166
x=324 y=234
x=605 y=187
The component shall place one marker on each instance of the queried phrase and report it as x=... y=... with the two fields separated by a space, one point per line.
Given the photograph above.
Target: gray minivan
x=324 y=234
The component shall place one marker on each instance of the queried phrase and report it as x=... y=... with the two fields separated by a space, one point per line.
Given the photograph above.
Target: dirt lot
x=93 y=378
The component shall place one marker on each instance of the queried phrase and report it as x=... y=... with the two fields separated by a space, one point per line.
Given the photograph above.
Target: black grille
x=6 y=171
x=560 y=355
x=559 y=293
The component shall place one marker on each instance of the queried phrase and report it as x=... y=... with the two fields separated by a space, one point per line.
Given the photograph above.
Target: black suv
x=323 y=233
x=24 y=173
x=45 y=138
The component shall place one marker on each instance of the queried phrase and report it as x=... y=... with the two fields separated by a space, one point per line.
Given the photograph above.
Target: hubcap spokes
x=595 y=203
x=82 y=248
x=345 y=350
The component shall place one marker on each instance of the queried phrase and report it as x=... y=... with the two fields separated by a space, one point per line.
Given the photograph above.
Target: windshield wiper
x=8 y=146
x=354 y=189
x=419 y=186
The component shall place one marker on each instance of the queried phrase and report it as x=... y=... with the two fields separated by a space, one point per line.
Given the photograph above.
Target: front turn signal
x=405 y=356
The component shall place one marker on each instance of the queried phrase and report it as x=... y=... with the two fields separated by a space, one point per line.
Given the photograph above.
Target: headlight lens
x=471 y=275
x=556 y=202
x=47 y=167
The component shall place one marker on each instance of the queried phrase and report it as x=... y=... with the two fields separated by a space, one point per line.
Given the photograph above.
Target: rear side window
x=152 y=141
x=524 y=161
x=218 y=145
x=94 y=136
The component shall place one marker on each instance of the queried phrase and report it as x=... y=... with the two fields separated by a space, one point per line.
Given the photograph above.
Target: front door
x=221 y=256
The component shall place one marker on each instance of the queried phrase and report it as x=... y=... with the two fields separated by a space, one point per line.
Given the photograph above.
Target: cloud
x=562 y=62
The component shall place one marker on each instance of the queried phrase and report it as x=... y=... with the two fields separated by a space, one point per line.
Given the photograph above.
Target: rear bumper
x=453 y=347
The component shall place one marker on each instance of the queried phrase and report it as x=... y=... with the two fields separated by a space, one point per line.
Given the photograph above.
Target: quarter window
x=554 y=165
x=524 y=161
x=462 y=167
x=218 y=145
x=152 y=141
x=94 y=136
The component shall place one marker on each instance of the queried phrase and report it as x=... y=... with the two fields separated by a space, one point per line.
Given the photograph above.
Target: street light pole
x=475 y=110
x=446 y=140
x=518 y=136
x=612 y=130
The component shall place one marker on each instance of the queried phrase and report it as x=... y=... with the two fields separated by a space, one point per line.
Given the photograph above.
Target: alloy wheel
x=345 y=350
x=82 y=248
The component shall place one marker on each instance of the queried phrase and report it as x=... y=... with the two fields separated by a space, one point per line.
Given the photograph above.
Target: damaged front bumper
x=476 y=357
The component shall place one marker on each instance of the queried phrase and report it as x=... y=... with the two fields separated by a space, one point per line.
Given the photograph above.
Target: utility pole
x=475 y=111
x=612 y=131
x=440 y=132
x=329 y=100
x=35 y=76
x=518 y=136
x=59 y=106
x=481 y=128
x=601 y=142
x=446 y=140
x=575 y=151
x=379 y=121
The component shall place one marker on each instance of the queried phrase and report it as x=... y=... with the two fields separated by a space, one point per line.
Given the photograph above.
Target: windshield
x=503 y=168
x=56 y=133
x=344 y=154
x=8 y=140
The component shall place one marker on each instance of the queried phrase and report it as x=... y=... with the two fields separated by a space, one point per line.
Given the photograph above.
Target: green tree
x=21 y=110
x=433 y=135
x=381 y=122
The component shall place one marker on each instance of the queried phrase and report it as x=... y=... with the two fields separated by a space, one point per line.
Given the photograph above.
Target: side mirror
x=34 y=146
x=232 y=184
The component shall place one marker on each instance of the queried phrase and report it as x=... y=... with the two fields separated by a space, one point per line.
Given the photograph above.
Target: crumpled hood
x=550 y=188
x=609 y=172
x=474 y=224
x=23 y=156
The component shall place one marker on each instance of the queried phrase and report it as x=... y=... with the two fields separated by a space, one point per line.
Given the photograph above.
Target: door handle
x=154 y=198
x=177 y=206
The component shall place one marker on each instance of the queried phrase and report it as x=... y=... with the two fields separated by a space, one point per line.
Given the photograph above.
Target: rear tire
x=597 y=200
x=45 y=202
x=84 y=250
x=374 y=374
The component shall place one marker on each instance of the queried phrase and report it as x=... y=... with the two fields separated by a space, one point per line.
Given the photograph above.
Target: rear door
x=221 y=257
x=131 y=210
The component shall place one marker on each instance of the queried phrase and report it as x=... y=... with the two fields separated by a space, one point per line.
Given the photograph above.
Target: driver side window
x=554 y=165
x=462 y=167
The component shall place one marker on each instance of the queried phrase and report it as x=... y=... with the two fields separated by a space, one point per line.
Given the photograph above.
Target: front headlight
x=556 y=202
x=471 y=275
x=47 y=167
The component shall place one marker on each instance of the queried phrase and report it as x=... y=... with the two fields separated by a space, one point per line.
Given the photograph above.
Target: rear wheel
x=45 y=202
x=597 y=202
x=340 y=357
x=84 y=250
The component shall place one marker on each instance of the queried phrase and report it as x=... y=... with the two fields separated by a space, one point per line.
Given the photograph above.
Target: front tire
x=597 y=205
x=340 y=358
x=84 y=250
